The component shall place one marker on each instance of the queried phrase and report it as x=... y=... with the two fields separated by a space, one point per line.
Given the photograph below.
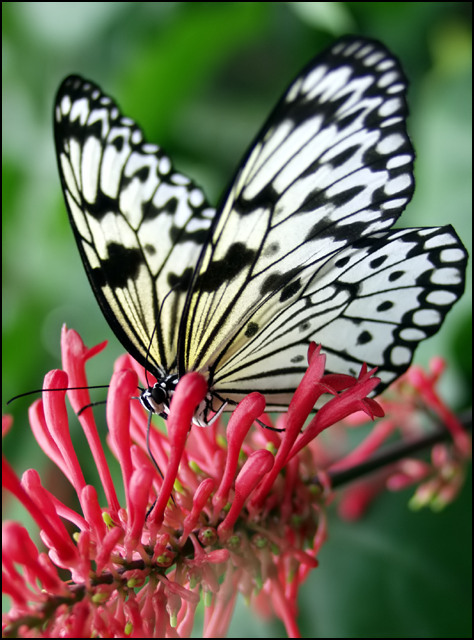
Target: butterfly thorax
x=157 y=399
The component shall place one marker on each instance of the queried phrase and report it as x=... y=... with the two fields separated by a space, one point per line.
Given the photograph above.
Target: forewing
x=332 y=164
x=139 y=225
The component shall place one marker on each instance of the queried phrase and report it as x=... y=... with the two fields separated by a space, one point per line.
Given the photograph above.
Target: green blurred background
x=201 y=78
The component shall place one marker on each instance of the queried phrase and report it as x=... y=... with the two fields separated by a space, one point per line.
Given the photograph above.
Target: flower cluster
x=237 y=509
x=407 y=404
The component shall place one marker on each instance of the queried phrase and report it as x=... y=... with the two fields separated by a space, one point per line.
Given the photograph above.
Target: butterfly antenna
x=28 y=393
x=157 y=323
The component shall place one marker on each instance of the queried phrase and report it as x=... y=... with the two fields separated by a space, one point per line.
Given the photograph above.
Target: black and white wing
x=139 y=225
x=300 y=249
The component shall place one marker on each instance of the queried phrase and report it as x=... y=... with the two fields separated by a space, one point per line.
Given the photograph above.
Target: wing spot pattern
x=395 y=275
x=252 y=329
x=364 y=337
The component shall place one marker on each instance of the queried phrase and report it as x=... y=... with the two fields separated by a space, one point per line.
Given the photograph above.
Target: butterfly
x=300 y=249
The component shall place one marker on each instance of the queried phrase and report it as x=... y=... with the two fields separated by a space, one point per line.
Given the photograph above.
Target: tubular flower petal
x=236 y=509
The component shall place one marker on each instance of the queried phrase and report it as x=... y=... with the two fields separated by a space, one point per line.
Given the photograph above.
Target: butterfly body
x=157 y=399
x=300 y=250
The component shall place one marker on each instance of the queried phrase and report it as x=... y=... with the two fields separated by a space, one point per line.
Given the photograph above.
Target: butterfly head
x=157 y=398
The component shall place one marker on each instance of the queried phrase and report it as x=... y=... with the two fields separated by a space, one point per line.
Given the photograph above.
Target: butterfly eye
x=301 y=249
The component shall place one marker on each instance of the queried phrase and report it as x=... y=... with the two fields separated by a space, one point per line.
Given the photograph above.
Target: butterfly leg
x=201 y=417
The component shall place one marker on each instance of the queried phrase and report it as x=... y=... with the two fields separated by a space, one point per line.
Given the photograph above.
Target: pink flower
x=407 y=404
x=239 y=508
